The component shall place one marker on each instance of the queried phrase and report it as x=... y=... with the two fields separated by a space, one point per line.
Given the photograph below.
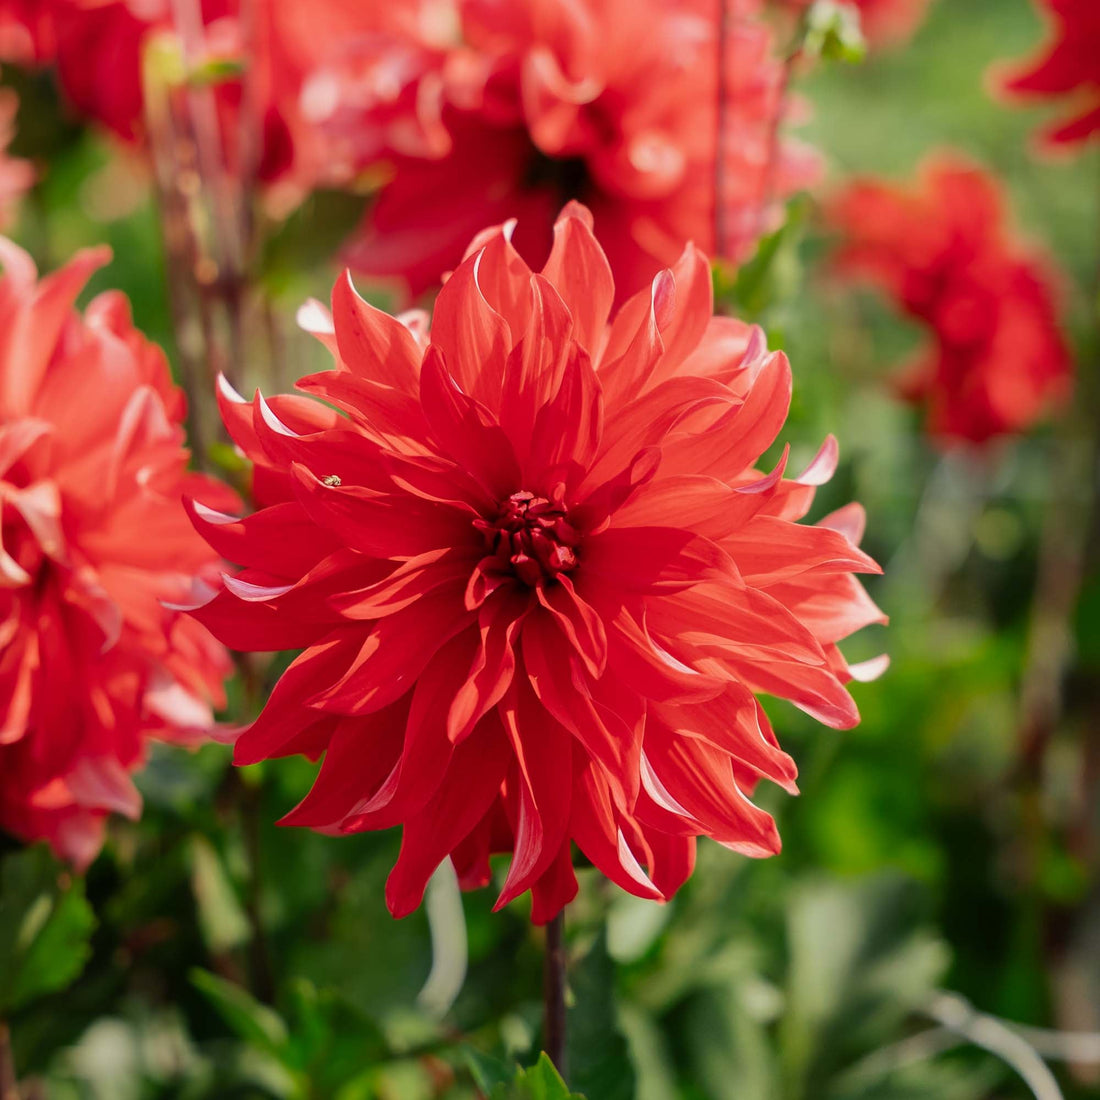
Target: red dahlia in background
x=97 y=47
x=1068 y=65
x=944 y=252
x=93 y=539
x=537 y=576
x=479 y=111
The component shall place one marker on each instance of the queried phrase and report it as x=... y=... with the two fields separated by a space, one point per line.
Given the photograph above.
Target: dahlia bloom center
x=532 y=537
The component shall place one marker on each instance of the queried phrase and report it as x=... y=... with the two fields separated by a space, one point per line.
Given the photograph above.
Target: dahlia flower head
x=478 y=111
x=944 y=252
x=93 y=541
x=1067 y=66
x=537 y=576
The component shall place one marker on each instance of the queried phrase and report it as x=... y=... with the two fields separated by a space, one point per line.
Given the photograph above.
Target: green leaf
x=488 y=1072
x=254 y=1022
x=541 y=1082
x=599 y=1058
x=45 y=927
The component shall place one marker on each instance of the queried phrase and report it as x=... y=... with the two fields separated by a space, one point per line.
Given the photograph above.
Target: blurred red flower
x=1069 y=64
x=93 y=538
x=537 y=576
x=481 y=110
x=944 y=252
x=97 y=49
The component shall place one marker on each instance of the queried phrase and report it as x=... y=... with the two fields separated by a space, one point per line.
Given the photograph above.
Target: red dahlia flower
x=93 y=539
x=537 y=576
x=484 y=110
x=944 y=253
x=1068 y=65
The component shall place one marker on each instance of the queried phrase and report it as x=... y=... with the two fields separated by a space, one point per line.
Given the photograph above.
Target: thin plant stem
x=553 y=1032
x=9 y=1087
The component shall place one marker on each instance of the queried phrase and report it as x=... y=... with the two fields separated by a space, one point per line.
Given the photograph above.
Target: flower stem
x=553 y=1032
x=9 y=1088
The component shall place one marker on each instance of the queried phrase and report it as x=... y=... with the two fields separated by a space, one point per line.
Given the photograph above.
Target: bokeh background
x=940 y=862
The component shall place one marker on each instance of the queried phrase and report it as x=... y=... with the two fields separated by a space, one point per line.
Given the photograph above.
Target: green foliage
x=45 y=927
x=498 y=1081
x=599 y=1060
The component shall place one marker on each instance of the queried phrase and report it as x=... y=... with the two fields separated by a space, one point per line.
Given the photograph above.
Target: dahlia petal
x=386 y=415
x=691 y=311
x=32 y=334
x=568 y=427
x=726 y=343
x=673 y=861
x=493 y=666
x=472 y=337
x=410 y=581
x=101 y=782
x=551 y=893
x=650 y=419
x=814 y=690
x=832 y=607
x=254 y=593
x=823 y=465
x=503 y=277
x=701 y=780
x=373 y=344
x=634 y=344
x=652 y=670
x=597 y=833
x=360 y=754
x=745 y=625
x=744 y=433
x=286 y=713
x=579 y=267
x=18 y=437
x=281 y=538
x=535 y=364
x=705 y=505
x=578 y=621
x=543 y=750
x=735 y=724
x=466 y=430
x=655 y=559
x=393 y=655
x=866 y=671
x=610 y=736
x=316 y=319
x=473 y=781
x=767 y=549
x=396 y=526
x=437 y=479
x=850 y=521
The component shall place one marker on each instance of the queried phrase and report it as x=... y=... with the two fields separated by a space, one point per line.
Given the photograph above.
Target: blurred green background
x=929 y=857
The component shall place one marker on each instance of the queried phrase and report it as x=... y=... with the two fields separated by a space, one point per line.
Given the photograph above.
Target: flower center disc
x=532 y=536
